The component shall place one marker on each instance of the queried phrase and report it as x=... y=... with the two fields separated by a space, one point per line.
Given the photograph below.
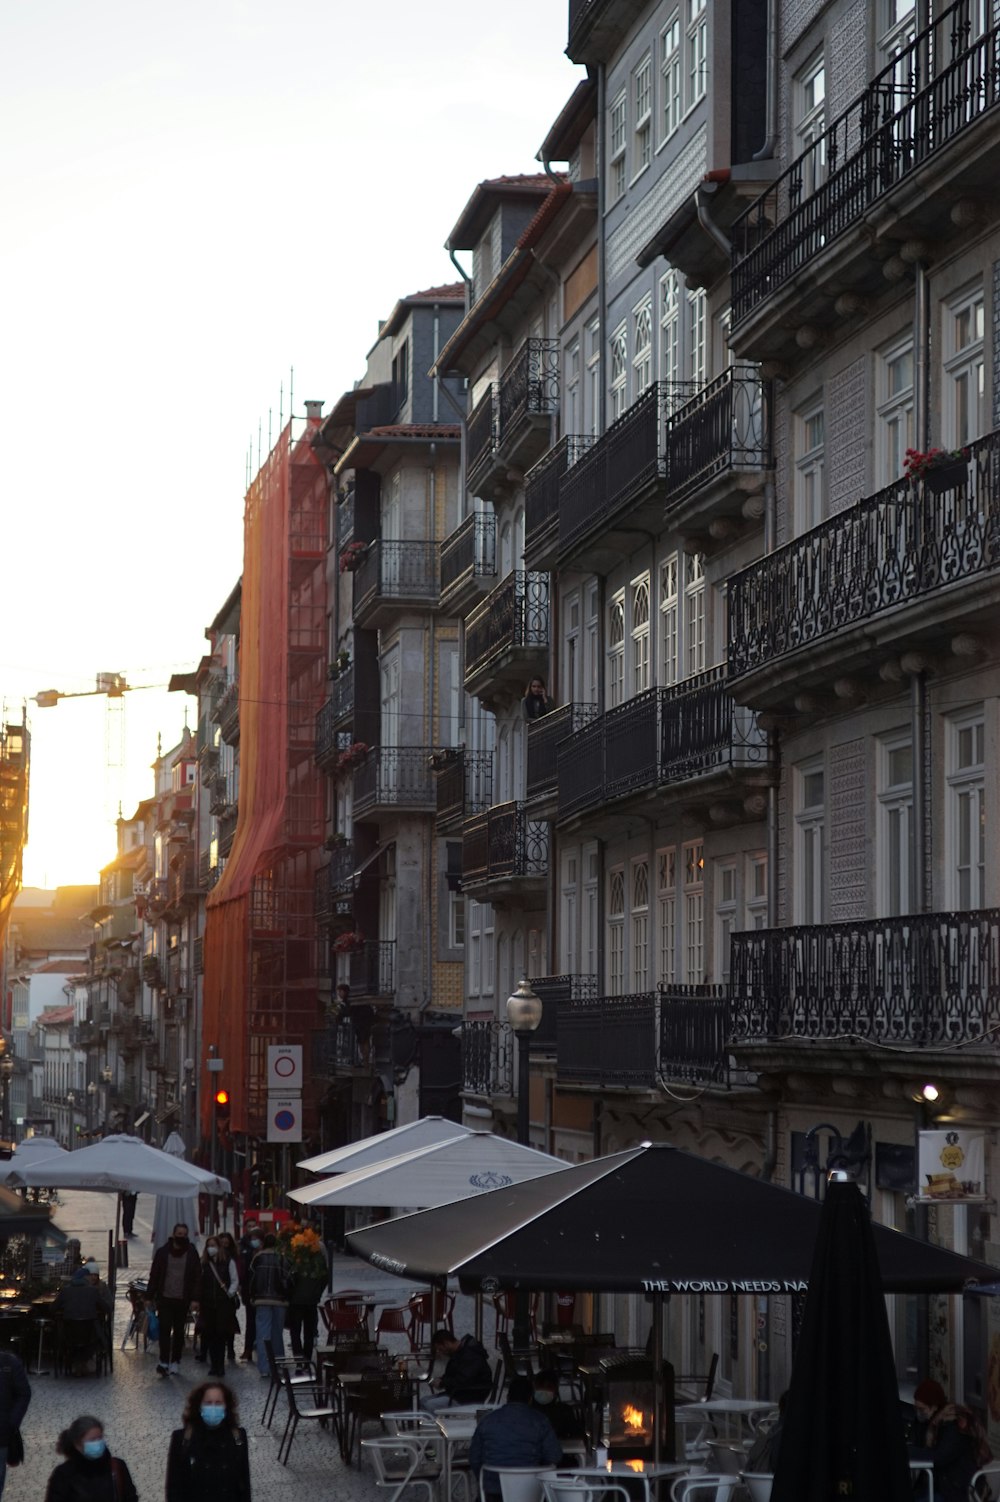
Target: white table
x=619 y=1470
x=733 y=1414
x=457 y=1426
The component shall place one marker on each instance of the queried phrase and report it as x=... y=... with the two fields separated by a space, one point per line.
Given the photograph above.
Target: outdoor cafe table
x=457 y=1426
x=623 y=1474
x=731 y=1413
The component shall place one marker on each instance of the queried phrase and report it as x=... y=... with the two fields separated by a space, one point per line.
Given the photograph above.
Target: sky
x=200 y=198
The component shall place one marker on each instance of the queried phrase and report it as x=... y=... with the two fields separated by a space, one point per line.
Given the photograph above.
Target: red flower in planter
x=351 y=557
x=351 y=943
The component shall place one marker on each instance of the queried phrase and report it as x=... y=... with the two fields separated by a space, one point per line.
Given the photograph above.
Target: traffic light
x=221 y=1107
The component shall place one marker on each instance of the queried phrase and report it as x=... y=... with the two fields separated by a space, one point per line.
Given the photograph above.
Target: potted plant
x=351 y=557
x=335 y=841
x=303 y=1251
x=353 y=756
x=349 y=943
x=938 y=469
x=343 y=659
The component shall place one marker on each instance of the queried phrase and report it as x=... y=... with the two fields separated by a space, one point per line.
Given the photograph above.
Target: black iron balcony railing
x=341 y=696
x=335 y=1050
x=900 y=544
x=395 y=570
x=928 y=980
x=725 y=426
x=937 y=86
x=514 y=615
x=480 y=436
x=394 y=776
x=553 y=991
x=694 y=1029
x=542 y=485
x=544 y=738
x=529 y=385
x=227 y=710
x=487 y=1058
x=623 y=462
x=608 y=1040
x=465 y=785
x=373 y=969
x=327 y=745
x=504 y=841
x=345 y=519
x=471 y=551
x=662 y=735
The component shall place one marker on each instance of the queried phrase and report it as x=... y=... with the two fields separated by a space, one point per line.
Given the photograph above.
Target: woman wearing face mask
x=217 y=1304
x=228 y=1248
x=208 y=1459
x=89 y=1473
x=250 y=1244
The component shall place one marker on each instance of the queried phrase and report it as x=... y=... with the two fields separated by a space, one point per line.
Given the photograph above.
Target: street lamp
x=524 y=1013
x=6 y=1071
x=71 y=1102
x=91 y=1093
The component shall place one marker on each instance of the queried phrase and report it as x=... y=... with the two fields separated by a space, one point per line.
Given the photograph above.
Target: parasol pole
x=659 y=1396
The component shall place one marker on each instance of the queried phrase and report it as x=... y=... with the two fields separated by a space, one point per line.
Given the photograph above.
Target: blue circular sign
x=284 y=1120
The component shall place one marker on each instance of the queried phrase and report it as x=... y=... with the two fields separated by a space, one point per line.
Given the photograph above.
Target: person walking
x=251 y=1243
x=173 y=1286
x=270 y=1281
x=229 y=1249
x=15 y=1395
x=310 y=1272
x=89 y=1473
x=208 y=1459
x=217 y=1294
x=128 y=1213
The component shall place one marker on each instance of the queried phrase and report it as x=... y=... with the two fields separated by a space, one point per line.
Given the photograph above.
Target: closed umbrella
x=175 y=1145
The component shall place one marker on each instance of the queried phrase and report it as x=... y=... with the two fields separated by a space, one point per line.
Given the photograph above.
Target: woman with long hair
x=217 y=1293
x=208 y=1459
x=89 y=1472
x=229 y=1249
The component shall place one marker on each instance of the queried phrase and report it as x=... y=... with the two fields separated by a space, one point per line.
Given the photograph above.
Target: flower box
x=938 y=469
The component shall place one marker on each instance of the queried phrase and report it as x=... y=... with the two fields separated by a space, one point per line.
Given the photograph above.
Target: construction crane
x=113 y=686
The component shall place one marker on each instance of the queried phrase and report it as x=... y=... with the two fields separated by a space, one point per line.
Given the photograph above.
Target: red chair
x=395 y=1321
x=427 y=1310
x=350 y=1320
x=503 y=1307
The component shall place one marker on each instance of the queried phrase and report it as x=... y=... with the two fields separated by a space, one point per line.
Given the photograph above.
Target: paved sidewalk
x=140 y=1409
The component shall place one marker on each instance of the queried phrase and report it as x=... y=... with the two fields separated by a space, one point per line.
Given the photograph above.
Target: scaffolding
x=14 y=761
x=261 y=942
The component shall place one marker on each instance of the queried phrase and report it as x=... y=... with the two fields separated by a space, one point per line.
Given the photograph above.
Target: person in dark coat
x=84 y=1306
x=954 y=1440
x=536 y=700
x=467 y=1377
x=217 y=1304
x=89 y=1473
x=251 y=1243
x=15 y=1395
x=174 y=1279
x=128 y=1213
x=208 y=1459
x=518 y=1434
x=565 y=1420
x=228 y=1247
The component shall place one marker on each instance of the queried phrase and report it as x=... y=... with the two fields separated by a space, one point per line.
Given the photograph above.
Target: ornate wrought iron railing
x=694 y=1028
x=395 y=776
x=553 y=991
x=504 y=841
x=372 y=969
x=465 y=786
x=393 y=570
x=702 y=727
x=515 y=614
x=327 y=720
x=345 y=518
x=935 y=88
x=341 y=699
x=335 y=1050
x=608 y=477
x=727 y=425
x=608 y=1040
x=529 y=385
x=487 y=1058
x=900 y=544
x=480 y=439
x=471 y=550
x=545 y=736
x=542 y=486
x=927 y=980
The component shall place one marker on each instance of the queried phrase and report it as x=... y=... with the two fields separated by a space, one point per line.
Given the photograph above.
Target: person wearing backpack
x=15 y=1395
x=270 y=1284
x=208 y=1460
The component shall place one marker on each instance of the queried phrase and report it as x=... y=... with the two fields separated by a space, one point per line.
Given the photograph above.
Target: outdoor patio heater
x=627 y=1408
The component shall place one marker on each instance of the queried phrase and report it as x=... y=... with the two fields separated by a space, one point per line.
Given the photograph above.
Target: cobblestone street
x=140 y=1409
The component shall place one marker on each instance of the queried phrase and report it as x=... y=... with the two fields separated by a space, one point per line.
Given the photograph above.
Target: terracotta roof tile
x=450 y=291
x=415 y=430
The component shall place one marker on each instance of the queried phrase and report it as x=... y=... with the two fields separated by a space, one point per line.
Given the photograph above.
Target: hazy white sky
x=197 y=197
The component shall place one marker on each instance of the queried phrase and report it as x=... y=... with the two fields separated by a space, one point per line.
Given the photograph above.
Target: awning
x=370 y=860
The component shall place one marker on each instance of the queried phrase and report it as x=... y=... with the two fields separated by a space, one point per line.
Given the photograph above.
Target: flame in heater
x=633 y=1418
x=636 y=1465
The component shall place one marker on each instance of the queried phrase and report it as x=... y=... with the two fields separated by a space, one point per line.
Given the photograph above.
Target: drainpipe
x=771 y=85
x=918 y=720
x=702 y=193
x=773 y=744
x=602 y=296
x=437 y=343
x=431 y=861
x=460 y=412
x=922 y=349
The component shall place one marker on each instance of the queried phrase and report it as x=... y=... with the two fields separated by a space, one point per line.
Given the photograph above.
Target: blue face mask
x=212 y=1414
x=94 y=1448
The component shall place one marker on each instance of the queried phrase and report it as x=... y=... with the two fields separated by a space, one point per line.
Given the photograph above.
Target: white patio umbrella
x=32 y=1150
x=175 y=1145
x=172 y=1208
x=122 y=1164
x=370 y=1150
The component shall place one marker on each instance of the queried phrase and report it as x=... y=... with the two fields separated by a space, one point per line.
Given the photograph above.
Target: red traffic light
x=222 y=1097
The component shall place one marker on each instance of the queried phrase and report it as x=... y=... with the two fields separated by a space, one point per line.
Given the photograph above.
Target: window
x=809 y=92
x=482 y=264
x=756 y=890
x=616 y=932
x=963 y=416
x=572 y=661
x=619 y=371
x=570 y=915
x=489 y=948
x=592 y=415
x=616 y=141
x=810 y=482
x=640 y=634
x=475 y=947
x=401 y=376
x=616 y=650
x=697 y=351
x=694 y=913
x=895 y=408
x=810 y=819
x=670 y=71
x=666 y=914
x=642 y=96
x=694 y=613
x=642 y=347
x=966 y=821
x=670 y=366
x=456 y=920
x=574 y=416
x=640 y=925
x=894 y=835
x=725 y=915
x=697 y=39
x=670 y=669
x=588 y=935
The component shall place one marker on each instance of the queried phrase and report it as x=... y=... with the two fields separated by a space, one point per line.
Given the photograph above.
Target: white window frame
x=963 y=417
x=810 y=845
x=810 y=466
x=589 y=927
x=895 y=411
x=726 y=883
x=697 y=51
x=894 y=830
x=755 y=890
x=642 y=347
x=489 y=949
x=639 y=922
x=965 y=811
x=569 y=924
x=809 y=103
x=695 y=595
x=696 y=304
x=592 y=398
x=642 y=108
x=670 y=330
x=666 y=915
x=574 y=393
x=616 y=931
x=616 y=649
x=693 y=872
x=671 y=77
x=617 y=147
x=639 y=607
x=619 y=371
x=670 y=621
x=456 y=920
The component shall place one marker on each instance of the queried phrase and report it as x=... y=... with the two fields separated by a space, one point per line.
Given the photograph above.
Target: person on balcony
x=536 y=700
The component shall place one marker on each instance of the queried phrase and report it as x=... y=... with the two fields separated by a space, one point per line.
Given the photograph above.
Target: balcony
x=922 y=982
x=479 y=440
x=541 y=498
x=227 y=712
x=372 y=970
x=334 y=884
x=510 y=427
x=693 y=736
x=345 y=518
x=394 y=779
x=505 y=855
x=901 y=570
x=507 y=637
x=608 y=1042
x=917 y=140
x=185 y=887
x=464 y=787
x=338 y=710
x=468 y=562
x=545 y=736
x=328 y=735
x=718 y=445
x=554 y=991
x=487 y=1059
x=616 y=488
x=694 y=1032
x=393 y=576
x=335 y=1051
